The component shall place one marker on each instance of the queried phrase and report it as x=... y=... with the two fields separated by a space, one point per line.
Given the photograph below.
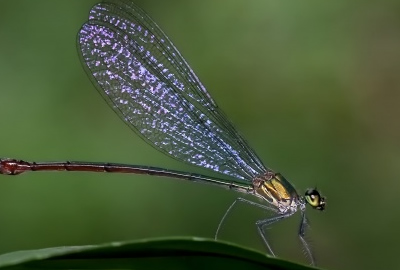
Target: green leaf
x=164 y=253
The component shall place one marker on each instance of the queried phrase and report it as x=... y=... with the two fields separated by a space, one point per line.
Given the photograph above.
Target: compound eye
x=315 y=199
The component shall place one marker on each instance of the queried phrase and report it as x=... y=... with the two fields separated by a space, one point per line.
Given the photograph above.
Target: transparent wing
x=143 y=77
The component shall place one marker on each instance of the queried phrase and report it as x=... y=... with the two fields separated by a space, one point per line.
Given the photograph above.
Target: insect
x=146 y=81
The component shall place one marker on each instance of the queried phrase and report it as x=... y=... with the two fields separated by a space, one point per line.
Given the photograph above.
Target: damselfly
x=144 y=78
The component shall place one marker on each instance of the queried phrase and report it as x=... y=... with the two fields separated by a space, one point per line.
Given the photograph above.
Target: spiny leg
x=302 y=233
x=265 y=222
x=244 y=201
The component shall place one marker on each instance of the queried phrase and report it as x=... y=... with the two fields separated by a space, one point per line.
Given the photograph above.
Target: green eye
x=314 y=199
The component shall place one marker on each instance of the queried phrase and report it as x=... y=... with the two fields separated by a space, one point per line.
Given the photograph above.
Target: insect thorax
x=276 y=190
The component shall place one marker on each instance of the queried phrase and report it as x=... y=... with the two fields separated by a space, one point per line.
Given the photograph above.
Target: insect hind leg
x=243 y=201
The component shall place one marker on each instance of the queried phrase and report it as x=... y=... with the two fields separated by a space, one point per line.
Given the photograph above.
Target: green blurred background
x=313 y=86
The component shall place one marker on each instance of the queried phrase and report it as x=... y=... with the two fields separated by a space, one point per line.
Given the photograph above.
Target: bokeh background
x=313 y=86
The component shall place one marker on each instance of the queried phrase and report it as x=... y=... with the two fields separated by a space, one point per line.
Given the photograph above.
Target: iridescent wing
x=144 y=78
